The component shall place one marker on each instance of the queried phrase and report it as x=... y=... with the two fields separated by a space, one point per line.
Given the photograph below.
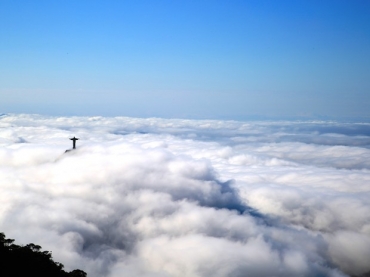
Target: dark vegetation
x=30 y=261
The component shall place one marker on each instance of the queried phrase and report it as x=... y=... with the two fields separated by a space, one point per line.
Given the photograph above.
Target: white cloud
x=156 y=197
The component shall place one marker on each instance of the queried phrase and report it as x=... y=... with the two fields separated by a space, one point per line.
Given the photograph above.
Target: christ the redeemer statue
x=74 y=142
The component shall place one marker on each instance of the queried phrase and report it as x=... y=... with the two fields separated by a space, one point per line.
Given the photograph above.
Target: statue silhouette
x=74 y=142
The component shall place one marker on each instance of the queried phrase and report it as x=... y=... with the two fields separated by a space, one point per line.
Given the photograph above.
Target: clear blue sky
x=189 y=59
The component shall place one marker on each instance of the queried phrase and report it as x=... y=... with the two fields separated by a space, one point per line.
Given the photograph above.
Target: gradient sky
x=186 y=59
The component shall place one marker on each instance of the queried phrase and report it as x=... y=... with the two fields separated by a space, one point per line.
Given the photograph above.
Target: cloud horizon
x=170 y=197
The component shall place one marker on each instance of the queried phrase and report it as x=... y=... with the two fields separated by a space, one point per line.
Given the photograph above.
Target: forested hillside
x=30 y=260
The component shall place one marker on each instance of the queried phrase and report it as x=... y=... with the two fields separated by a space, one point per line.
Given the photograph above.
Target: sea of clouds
x=170 y=197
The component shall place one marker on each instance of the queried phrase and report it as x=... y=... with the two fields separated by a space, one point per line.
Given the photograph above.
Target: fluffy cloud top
x=157 y=197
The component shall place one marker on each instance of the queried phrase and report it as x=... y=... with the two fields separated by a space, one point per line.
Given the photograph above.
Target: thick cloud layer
x=156 y=197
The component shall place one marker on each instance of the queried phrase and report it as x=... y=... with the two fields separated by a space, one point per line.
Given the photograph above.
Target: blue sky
x=186 y=59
